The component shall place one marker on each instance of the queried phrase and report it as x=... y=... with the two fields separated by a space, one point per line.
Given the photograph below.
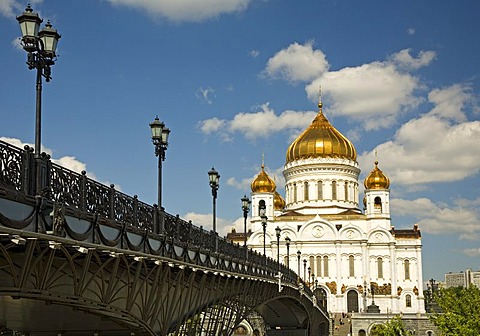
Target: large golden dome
x=376 y=179
x=278 y=201
x=321 y=139
x=263 y=182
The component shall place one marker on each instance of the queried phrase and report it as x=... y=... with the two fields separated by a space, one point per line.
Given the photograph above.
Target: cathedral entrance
x=352 y=301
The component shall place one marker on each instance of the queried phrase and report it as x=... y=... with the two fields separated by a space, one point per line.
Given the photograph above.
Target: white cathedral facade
x=348 y=256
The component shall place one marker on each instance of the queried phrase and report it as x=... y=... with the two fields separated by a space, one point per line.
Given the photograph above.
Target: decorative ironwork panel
x=11 y=168
x=183 y=231
x=65 y=186
x=169 y=225
x=145 y=216
x=97 y=198
x=123 y=206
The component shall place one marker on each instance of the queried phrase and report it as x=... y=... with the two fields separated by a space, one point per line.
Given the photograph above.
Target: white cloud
x=254 y=53
x=10 y=8
x=404 y=60
x=297 y=63
x=205 y=94
x=253 y=125
x=186 y=10
x=373 y=93
x=244 y=184
x=431 y=148
x=411 y=31
x=13 y=8
x=205 y=220
x=463 y=218
x=472 y=252
x=450 y=102
x=212 y=125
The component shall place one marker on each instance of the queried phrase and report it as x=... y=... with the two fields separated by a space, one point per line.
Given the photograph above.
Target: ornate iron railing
x=68 y=188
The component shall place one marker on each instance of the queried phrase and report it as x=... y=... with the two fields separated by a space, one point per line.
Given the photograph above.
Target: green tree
x=461 y=311
x=394 y=327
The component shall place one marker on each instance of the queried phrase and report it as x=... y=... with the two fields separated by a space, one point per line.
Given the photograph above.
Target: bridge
x=80 y=258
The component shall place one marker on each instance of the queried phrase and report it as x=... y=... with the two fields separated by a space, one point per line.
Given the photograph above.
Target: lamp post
x=299 y=255
x=245 y=207
x=264 y=227
x=309 y=275
x=40 y=48
x=160 y=135
x=287 y=242
x=214 y=178
x=304 y=269
x=277 y=232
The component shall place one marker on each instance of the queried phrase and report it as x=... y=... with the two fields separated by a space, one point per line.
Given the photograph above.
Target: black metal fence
x=63 y=186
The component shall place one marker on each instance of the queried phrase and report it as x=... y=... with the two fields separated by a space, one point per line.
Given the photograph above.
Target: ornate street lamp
x=40 y=48
x=160 y=135
x=277 y=232
x=245 y=207
x=287 y=242
x=264 y=227
x=214 y=178
x=299 y=255
x=309 y=275
x=304 y=269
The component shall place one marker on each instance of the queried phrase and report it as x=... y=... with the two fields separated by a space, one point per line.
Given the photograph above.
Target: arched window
x=311 y=263
x=377 y=206
x=320 y=190
x=261 y=208
x=305 y=191
x=334 y=190
x=407 y=269
x=319 y=266
x=325 y=266
x=380 y=268
x=346 y=191
x=408 y=301
x=351 y=265
x=294 y=192
x=285 y=260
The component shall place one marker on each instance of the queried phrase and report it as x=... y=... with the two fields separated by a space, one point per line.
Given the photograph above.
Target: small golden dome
x=376 y=179
x=278 y=201
x=321 y=139
x=263 y=182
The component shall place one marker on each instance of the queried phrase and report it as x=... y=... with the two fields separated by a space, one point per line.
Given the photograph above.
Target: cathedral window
x=346 y=191
x=377 y=206
x=305 y=191
x=408 y=301
x=285 y=260
x=261 y=208
x=351 y=265
x=311 y=263
x=325 y=266
x=319 y=266
x=380 y=268
x=294 y=192
x=334 y=190
x=320 y=190
x=407 y=269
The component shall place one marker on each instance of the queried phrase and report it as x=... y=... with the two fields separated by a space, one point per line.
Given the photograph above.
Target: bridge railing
x=20 y=169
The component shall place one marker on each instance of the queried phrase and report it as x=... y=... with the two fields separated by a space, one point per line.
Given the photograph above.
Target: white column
x=421 y=301
x=393 y=277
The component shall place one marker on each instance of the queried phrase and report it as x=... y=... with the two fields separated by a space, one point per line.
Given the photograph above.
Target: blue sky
x=234 y=79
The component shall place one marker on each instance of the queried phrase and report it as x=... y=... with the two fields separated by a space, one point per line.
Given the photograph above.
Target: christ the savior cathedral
x=350 y=257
